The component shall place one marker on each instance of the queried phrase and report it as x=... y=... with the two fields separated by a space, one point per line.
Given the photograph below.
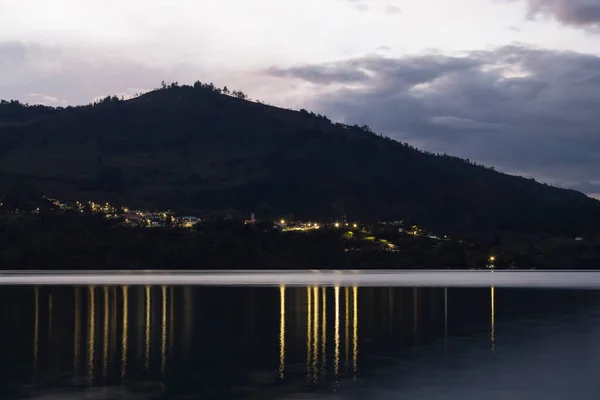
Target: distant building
x=252 y=220
x=132 y=217
x=189 y=221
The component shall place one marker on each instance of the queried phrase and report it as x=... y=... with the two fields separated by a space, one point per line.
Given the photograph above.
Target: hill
x=195 y=149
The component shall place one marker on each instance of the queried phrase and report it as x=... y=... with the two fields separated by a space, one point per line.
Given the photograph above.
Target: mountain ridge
x=197 y=149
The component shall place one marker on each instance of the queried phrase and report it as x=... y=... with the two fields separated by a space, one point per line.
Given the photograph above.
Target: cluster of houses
x=155 y=220
x=168 y=219
x=130 y=217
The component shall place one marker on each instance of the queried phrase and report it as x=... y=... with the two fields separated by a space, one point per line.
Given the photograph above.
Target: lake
x=298 y=342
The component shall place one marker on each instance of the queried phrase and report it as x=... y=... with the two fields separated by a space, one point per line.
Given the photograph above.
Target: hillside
x=194 y=149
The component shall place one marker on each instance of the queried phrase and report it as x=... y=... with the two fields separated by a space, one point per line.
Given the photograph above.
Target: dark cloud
x=524 y=110
x=585 y=13
x=320 y=74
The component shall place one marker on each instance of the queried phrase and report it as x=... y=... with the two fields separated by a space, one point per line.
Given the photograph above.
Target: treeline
x=73 y=240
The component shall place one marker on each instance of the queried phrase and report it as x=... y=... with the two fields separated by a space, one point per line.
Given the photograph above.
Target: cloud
x=46 y=99
x=56 y=76
x=320 y=74
x=467 y=124
x=365 y=5
x=581 y=13
x=12 y=55
x=391 y=9
x=360 y=5
x=525 y=110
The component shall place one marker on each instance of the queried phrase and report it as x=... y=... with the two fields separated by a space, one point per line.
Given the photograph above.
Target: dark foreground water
x=66 y=342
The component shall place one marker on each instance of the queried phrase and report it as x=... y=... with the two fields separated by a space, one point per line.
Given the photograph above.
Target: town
x=168 y=219
x=386 y=236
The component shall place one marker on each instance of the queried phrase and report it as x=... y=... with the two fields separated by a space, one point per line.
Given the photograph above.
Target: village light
x=337 y=224
x=282 y=221
x=492 y=258
x=355 y=226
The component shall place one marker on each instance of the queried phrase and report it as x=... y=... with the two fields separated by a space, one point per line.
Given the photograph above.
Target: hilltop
x=196 y=149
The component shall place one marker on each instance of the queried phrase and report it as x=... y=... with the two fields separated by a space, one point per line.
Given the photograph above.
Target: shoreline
x=580 y=279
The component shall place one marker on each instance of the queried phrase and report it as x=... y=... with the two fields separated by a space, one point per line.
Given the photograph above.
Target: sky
x=509 y=83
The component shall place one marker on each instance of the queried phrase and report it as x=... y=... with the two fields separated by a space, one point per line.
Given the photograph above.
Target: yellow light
x=355 y=226
x=337 y=225
x=337 y=330
x=282 y=331
x=148 y=309
x=282 y=221
x=355 y=328
x=492 y=258
x=308 y=331
x=493 y=317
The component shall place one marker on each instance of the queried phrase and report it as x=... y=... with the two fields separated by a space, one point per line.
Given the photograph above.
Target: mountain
x=195 y=149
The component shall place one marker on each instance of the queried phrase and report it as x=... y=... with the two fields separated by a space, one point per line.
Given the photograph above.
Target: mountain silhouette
x=195 y=149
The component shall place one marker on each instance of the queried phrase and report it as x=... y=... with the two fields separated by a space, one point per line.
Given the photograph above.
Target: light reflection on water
x=91 y=332
x=493 y=317
x=282 y=332
x=115 y=305
x=197 y=339
x=124 y=329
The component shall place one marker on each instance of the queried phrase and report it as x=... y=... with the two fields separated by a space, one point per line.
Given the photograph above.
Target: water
x=60 y=342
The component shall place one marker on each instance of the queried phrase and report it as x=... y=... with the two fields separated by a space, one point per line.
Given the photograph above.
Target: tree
x=239 y=94
x=225 y=90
